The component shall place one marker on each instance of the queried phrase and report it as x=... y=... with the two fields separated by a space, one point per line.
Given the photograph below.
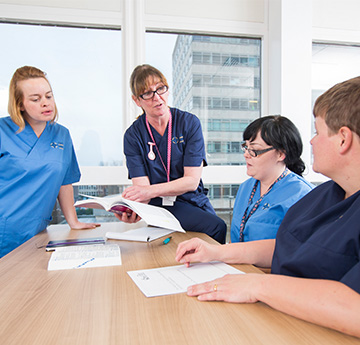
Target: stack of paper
x=97 y=255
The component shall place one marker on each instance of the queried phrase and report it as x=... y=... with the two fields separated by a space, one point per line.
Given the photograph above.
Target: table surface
x=104 y=306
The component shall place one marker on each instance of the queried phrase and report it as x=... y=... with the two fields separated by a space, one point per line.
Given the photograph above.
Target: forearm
x=259 y=253
x=324 y=302
x=66 y=201
x=174 y=188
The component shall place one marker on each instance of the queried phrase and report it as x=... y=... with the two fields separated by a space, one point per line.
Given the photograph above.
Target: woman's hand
x=128 y=217
x=139 y=193
x=196 y=250
x=234 y=288
x=83 y=226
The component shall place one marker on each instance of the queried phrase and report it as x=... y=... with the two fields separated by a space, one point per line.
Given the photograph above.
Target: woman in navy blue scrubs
x=37 y=162
x=315 y=259
x=165 y=155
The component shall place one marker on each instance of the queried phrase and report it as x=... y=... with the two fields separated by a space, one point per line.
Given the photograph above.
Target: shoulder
x=6 y=122
x=136 y=126
x=8 y=127
x=184 y=116
x=246 y=185
x=297 y=180
x=59 y=129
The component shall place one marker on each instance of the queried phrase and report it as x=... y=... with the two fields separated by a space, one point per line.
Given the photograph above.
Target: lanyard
x=246 y=216
x=168 y=145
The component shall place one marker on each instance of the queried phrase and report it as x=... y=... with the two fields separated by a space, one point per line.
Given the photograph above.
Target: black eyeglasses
x=150 y=94
x=255 y=153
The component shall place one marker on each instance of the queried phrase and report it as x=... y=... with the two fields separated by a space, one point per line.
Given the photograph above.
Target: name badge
x=168 y=200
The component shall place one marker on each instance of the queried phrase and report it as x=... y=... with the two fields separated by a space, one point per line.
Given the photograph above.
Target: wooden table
x=103 y=305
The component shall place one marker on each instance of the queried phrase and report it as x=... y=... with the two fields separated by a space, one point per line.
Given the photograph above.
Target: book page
x=96 y=255
x=155 y=215
x=176 y=279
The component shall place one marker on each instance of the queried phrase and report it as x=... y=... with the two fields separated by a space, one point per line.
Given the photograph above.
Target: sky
x=84 y=69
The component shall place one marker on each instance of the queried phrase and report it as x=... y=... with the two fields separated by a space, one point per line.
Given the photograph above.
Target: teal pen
x=167 y=240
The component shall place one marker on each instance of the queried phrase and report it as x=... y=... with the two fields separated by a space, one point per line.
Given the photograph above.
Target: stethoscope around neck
x=151 y=154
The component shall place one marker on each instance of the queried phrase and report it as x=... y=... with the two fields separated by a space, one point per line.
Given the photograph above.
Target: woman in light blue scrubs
x=37 y=162
x=272 y=148
x=165 y=155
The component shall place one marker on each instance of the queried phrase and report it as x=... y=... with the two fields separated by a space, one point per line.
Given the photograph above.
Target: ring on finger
x=215 y=287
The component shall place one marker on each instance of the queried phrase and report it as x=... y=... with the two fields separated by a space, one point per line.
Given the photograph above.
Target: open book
x=152 y=215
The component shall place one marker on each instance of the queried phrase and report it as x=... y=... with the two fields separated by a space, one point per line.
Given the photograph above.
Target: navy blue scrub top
x=187 y=149
x=320 y=237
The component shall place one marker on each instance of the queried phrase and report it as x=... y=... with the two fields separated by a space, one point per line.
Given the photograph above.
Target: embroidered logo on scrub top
x=265 y=206
x=176 y=140
x=55 y=145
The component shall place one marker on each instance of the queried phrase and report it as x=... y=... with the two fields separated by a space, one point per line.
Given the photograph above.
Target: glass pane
x=84 y=69
x=225 y=74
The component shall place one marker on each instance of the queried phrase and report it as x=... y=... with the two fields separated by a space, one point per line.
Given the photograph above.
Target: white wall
x=287 y=28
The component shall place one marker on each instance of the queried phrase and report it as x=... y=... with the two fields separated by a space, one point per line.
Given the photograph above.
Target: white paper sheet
x=96 y=255
x=144 y=234
x=176 y=279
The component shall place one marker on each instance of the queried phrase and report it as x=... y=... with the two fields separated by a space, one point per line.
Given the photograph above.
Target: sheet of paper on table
x=95 y=255
x=144 y=234
x=176 y=279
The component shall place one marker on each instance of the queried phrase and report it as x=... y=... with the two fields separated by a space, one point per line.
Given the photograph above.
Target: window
x=84 y=68
x=332 y=64
x=226 y=78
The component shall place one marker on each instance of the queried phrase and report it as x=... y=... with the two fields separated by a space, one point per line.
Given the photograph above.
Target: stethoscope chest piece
x=151 y=154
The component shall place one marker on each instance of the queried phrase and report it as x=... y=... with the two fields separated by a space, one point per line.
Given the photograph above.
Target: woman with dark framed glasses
x=272 y=148
x=165 y=155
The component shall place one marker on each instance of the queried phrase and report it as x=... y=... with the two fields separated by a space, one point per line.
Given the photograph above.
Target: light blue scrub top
x=265 y=221
x=32 y=170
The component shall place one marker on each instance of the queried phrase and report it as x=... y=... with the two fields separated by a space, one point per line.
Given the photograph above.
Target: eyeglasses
x=150 y=94
x=255 y=153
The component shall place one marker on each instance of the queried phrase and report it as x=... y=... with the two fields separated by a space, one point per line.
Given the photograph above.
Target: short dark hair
x=280 y=133
x=340 y=106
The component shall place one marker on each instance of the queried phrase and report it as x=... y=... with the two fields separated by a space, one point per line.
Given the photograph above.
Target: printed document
x=176 y=279
x=93 y=255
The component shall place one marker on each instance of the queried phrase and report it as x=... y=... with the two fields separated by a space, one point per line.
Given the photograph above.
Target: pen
x=167 y=240
x=84 y=263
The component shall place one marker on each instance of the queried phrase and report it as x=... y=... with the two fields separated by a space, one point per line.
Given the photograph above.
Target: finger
x=189 y=256
x=200 y=289
x=184 y=247
x=211 y=296
x=93 y=225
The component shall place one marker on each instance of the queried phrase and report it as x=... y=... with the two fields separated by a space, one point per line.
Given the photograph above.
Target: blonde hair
x=142 y=77
x=16 y=95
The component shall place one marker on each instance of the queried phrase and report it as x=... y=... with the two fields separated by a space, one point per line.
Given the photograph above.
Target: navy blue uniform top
x=187 y=150
x=320 y=237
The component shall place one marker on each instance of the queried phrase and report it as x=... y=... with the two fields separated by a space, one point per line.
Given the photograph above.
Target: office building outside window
x=218 y=79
